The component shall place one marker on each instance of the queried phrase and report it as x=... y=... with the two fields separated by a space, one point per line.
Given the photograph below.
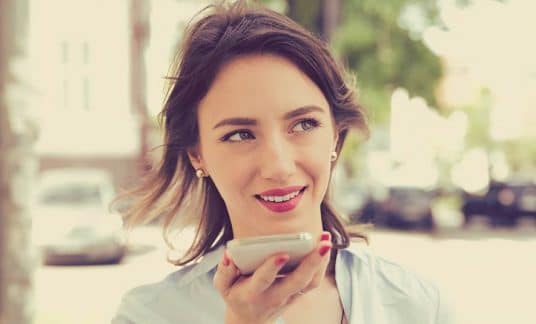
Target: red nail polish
x=324 y=249
x=281 y=260
x=226 y=260
x=325 y=236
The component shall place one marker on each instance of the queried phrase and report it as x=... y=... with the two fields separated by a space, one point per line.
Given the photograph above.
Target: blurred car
x=350 y=200
x=503 y=204
x=71 y=220
x=404 y=208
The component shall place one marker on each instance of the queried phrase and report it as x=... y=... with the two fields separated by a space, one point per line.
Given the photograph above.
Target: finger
x=291 y=300
x=321 y=273
x=266 y=274
x=301 y=277
x=226 y=274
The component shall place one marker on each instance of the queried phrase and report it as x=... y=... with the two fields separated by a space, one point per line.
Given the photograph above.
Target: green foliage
x=384 y=55
x=520 y=154
x=478 y=113
x=375 y=46
x=306 y=12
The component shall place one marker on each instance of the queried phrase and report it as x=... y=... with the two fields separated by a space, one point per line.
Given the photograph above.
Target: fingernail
x=281 y=260
x=324 y=249
x=325 y=236
x=226 y=260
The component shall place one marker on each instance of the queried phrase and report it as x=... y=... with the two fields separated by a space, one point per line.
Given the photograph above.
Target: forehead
x=259 y=84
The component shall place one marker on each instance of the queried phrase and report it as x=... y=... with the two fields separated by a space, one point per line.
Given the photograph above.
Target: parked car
x=403 y=208
x=72 y=223
x=503 y=204
x=350 y=199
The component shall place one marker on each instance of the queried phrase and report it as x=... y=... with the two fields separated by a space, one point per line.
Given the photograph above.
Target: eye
x=238 y=136
x=305 y=125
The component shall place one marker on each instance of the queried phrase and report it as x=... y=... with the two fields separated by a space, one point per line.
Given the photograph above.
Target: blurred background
x=447 y=177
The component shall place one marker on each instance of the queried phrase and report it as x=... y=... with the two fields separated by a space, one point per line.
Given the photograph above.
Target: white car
x=72 y=223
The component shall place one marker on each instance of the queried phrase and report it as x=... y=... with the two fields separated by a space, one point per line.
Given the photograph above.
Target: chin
x=299 y=226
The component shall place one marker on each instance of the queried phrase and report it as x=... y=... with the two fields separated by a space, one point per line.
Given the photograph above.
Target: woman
x=256 y=116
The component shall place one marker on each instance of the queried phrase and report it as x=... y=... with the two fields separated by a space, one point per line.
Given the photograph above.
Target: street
x=489 y=276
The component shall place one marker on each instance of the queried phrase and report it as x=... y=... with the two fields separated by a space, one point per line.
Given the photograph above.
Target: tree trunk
x=330 y=18
x=17 y=168
x=319 y=16
x=306 y=13
x=139 y=27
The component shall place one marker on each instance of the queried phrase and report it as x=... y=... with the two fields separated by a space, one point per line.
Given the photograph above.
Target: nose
x=277 y=160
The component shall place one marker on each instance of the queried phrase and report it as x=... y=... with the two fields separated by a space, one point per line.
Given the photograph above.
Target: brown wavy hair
x=171 y=191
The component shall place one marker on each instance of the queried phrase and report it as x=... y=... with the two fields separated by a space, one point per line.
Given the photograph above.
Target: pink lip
x=281 y=207
x=281 y=191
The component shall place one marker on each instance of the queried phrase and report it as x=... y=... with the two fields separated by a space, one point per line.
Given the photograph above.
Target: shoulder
x=388 y=272
x=396 y=288
x=171 y=284
x=167 y=301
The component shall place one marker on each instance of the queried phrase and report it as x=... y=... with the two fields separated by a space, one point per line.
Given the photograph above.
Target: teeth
x=280 y=198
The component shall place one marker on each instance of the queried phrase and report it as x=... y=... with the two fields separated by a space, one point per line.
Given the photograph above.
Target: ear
x=195 y=158
x=335 y=141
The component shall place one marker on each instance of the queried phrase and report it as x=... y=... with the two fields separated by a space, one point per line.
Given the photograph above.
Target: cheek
x=315 y=161
x=320 y=169
x=230 y=173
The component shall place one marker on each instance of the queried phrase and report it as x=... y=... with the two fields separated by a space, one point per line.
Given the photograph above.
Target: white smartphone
x=249 y=253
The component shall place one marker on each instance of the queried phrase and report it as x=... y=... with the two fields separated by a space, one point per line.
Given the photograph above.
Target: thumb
x=226 y=274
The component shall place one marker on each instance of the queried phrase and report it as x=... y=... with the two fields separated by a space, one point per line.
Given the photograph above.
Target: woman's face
x=266 y=137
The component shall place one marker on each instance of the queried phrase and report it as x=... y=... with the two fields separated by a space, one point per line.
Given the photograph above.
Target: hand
x=261 y=298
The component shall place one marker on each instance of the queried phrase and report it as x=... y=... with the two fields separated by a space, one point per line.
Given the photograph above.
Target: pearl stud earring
x=334 y=156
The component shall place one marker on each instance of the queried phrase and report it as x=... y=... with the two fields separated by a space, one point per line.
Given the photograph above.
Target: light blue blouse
x=372 y=290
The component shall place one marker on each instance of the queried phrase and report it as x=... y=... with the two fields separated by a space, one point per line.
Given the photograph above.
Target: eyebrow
x=240 y=121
